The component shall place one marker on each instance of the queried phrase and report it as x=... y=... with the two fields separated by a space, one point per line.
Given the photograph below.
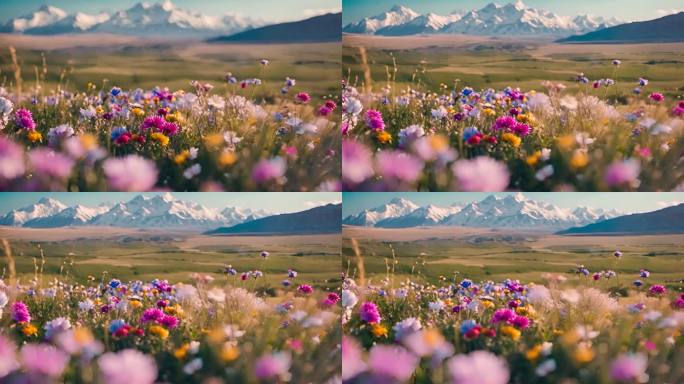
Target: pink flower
x=504 y=122
x=620 y=173
x=356 y=160
x=44 y=359
x=502 y=316
x=305 y=289
x=131 y=173
x=11 y=160
x=303 y=97
x=374 y=120
x=657 y=97
x=272 y=365
x=400 y=166
x=657 y=289
x=628 y=367
x=391 y=363
x=369 y=313
x=48 y=163
x=127 y=367
x=269 y=169
x=24 y=119
x=169 y=321
x=151 y=314
x=352 y=364
x=481 y=174
x=479 y=367
x=8 y=356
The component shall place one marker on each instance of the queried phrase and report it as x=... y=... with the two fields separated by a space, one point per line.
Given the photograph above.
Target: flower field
x=590 y=330
x=208 y=331
x=207 y=137
x=589 y=136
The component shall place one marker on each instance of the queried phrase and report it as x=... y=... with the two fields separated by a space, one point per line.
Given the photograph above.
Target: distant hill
x=665 y=29
x=664 y=221
x=325 y=219
x=318 y=29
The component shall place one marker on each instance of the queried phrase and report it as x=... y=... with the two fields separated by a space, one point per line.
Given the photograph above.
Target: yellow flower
x=214 y=140
x=511 y=139
x=584 y=354
x=159 y=331
x=579 y=160
x=99 y=110
x=378 y=330
x=182 y=157
x=533 y=353
x=487 y=304
x=229 y=352
x=439 y=143
x=227 y=158
x=161 y=138
x=566 y=142
x=135 y=304
x=137 y=111
x=533 y=159
x=182 y=351
x=383 y=137
x=88 y=141
x=29 y=329
x=511 y=332
x=174 y=117
x=34 y=136
x=488 y=112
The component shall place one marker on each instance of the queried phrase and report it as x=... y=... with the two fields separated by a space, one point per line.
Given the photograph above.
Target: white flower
x=349 y=298
x=353 y=106
x=86 y=305
x=439 y=113
x=56 y=326
x=306 y=129
x=193 y=152
x=436 y=306
x=6 y=107
x=3 y=299
x=232 y=331
x=216 y=295
x=88 y=113
x=216 y=102
x=231 y=139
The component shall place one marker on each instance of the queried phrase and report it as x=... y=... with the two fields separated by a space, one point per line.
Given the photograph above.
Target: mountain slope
x=665 y=29
x=423 y=216
x=44 y=16
x=76 y=215
x=397 y=15
x=324 y=28
x=45 y=207
x=664 y=221
x=325 y=219
x=397 y=207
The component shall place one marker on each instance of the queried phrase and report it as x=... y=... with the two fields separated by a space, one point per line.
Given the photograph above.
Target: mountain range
x=663 y=221
x=142 y=19
x=317 y=29
x=319 y=220
x=160 y=211
x=512 y=211
x=665 y=29
x=515 y=19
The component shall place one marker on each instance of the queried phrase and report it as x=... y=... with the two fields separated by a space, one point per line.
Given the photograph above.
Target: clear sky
x=270 y=10
x=628 y=10
x=628 y=202
x=276 y=202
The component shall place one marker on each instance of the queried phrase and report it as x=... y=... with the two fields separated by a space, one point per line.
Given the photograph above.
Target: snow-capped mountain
x=397 y=207
x=45 y=207
x=160 y=211
x=142 y=19
x=512 y=211
x=513 y=19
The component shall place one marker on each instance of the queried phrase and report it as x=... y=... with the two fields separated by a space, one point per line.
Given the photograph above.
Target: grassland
x=485 y=254
x=426 y=62
x=146 y=255
x=75 y=61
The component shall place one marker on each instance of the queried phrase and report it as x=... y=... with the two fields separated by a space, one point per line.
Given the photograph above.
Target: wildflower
x=511 y=332
x=55 y=135
x=11 y=160
x=504 y=123
x=355 y=160
x=28 y=329
x=34 y=136
x=512 y=139
x=151 y=314
x=43 y=360
x=56 y=326
x=192 y=171
x=24 y=119
x=272 y=365
x=269 y=169
x=161 y=138
x=481 y=174
x=369 y=312
x=131 y=173
x=398 y=166
x=20 y=312
x=332 y=299
x=616 y=62
x=620 y=173
x=169 y=321
x=657 y=290
x=657 y=97
x=374 y=121
x=629 y=368
x=409 y=135
x=349 y=299
x=579 y=159
x=305 y=289
x=48 y=163
x=303 y=97
x=504 y=315
x=159 y=331
x=127 y=367
x=6 y=107
x=584 y=353
x=480 y=367
x=378 y=330
x=391 y=363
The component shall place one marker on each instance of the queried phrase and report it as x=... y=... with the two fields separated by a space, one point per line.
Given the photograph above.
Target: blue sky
x=271 y=10
x=628 y=10
x=355 y=202
x=276 y=202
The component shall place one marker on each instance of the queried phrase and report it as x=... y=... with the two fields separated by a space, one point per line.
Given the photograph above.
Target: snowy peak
x=397 y=15
x=43 y=208
x=396 y=207
x=45 y=15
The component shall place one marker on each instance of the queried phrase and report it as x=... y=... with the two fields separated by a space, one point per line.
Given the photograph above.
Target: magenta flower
x=678 y=110
x=369 y=313
x=132 y=173
x=24 y=119
x=168 y=321
x=521 y=129
x=127 y=367
x=352 y=363
x=305 y=289
x=503 y=315
x=374 y=121
x=624 y=172
x=331 y=299
x=272 y=365
x=8 y=356
x=400 y=166
x=11 y=160
x=504 y=122
x=657 y=97
x=153 y=122
x=48 y=163
x=657 y=289
x=20 y=312
x=44 y=359
x=303 y=97
x=355 y=162
x=391 y=363
x=628 y=367
x=478 y=367
x=269 y=169
x=521 y=322
x=151 y=314
x=481 y=174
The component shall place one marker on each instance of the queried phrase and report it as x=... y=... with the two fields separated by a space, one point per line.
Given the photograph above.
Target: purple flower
x=503 y=315
x=272 y=365
x=391 y=363
x=505 y=122
x=24 y=119
x=374 y=121
x=369 y=312
x=396 y=165
x=131 y=173
x=521 y=129
x=657 y=289
x=269 y=169
x=43 y=359
x=20 y=312
x=355 y=162
x=11 y=160
x=628 y=367
x=127 y=367
x=151 y=314
x=169 y=321
x=303 y=97
x=624 y=172
x=481 y=174
x=157 y=122
x=48 y=163
x=305 y=289
x=521 y=322
x=479 y=367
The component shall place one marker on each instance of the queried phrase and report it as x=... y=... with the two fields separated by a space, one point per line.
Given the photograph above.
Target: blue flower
x=466 y=283
x=466 y=91
x=114 y=283
x=116 y=132
x=115 y=91
x=638 y=283
x=115 y=325
x=468 y=133
x=467 y=325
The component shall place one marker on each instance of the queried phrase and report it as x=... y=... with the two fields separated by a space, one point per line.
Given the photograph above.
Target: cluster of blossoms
x=494 y=140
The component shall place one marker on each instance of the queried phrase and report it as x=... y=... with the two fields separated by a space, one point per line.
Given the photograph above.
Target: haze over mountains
x=515 y=19
x=161 y=211
x=512 y=211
